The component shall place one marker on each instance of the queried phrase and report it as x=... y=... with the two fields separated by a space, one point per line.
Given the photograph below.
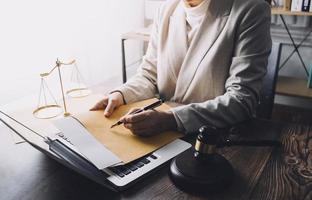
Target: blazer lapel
x=175 y=47
x=207 y=34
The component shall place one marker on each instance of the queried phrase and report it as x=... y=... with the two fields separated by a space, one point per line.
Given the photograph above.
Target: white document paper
x=87 y=145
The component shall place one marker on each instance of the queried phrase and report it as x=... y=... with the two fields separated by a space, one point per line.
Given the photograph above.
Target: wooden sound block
x=212 y=173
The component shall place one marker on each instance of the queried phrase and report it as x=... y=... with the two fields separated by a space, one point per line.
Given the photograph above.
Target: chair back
x=267 y=93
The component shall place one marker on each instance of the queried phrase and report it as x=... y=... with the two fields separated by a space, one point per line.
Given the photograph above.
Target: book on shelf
x=306 y=5
x=296 y=5
x=286 y=4
x=301 y=5
x=278 y=3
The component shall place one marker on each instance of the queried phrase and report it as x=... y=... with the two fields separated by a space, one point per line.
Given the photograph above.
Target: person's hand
x=150 y=122
x=109 y=103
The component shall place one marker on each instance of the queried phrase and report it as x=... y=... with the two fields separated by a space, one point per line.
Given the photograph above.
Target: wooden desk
x=261 y=173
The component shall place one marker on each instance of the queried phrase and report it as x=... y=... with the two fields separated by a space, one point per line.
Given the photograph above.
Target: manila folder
x=121 y=141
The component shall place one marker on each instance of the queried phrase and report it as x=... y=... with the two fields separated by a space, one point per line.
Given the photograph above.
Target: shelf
x=281 y=11
x=293 y=87
x=140 y=34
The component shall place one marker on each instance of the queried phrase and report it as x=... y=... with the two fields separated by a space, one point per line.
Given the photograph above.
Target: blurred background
x=34 y=33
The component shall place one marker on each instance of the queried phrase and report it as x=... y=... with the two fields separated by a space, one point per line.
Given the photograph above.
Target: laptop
x=116 y=178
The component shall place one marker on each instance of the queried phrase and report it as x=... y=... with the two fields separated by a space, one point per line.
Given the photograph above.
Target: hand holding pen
x=143 y=124
x=148 y=107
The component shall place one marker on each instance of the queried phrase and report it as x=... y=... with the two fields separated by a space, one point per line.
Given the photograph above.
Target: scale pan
x=78 y=92
x=48 y=111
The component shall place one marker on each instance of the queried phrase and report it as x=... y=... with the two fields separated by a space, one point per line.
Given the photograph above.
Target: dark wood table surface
x=261 y=172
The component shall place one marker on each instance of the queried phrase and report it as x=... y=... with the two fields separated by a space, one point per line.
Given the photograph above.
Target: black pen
x=148 y=107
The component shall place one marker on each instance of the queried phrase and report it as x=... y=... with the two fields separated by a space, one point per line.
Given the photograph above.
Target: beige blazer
x=219 y=75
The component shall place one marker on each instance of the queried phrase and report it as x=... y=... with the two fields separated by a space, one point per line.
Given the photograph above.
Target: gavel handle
x=255 y=143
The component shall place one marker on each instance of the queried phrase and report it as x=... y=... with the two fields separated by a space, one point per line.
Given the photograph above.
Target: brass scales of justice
x=47 y=109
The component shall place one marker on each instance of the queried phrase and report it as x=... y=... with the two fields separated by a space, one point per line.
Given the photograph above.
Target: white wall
x=33 y=33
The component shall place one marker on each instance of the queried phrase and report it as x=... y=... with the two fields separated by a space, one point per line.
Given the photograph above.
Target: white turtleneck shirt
x=194 y=18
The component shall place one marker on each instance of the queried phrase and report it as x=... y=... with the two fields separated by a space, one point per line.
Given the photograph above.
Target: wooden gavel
x=201 y=169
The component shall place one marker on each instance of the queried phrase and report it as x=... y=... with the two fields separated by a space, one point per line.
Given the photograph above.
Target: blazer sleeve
x=143 y=85
x=251 y=50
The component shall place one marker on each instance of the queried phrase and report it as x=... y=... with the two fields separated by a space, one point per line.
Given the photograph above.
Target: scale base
x=209 y=174
x=66 y=114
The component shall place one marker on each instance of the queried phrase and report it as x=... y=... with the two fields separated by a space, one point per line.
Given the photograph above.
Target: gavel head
x=207 y=140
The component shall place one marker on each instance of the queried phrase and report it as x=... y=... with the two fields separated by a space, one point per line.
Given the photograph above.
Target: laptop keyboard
x=124 y=170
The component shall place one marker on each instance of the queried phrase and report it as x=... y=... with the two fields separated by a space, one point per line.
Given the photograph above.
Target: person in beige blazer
x=216 y=76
